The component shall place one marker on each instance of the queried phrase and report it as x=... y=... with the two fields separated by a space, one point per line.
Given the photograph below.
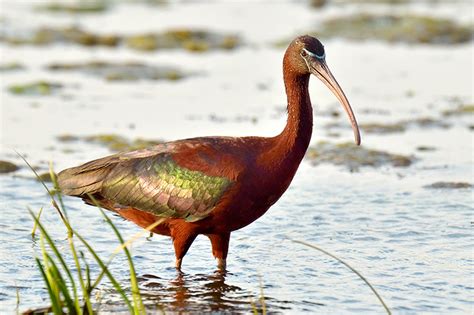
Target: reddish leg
x=182 y=242
x=220 y=247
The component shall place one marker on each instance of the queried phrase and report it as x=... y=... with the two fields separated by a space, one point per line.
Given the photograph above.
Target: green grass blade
x=85 y=292
x=88 y=272
x=139 y=308
x=49 y=274
x=54 y=179
x=54 y=303
x=107 y=272
x=348 y=266
x=35 y=226
x=254 y=307
x=262 y=297
x=119 y=248
x=55 y=250
x=17 y=305
x=62 y=286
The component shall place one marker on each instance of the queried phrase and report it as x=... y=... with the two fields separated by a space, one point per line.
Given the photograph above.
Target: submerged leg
x=181 y=243
x=220 y=247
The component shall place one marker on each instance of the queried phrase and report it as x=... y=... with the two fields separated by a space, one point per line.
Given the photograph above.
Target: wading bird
x=211 y=185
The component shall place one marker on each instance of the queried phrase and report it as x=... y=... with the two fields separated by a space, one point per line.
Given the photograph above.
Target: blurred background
x=83 y=79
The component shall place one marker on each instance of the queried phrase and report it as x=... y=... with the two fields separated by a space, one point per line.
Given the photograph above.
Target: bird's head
x=306 y=56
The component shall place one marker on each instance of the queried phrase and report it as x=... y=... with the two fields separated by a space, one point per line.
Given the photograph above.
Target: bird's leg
x=220 y=247
x=181 y=243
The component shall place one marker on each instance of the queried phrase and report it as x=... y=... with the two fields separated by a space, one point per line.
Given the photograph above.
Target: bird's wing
x=150 y=181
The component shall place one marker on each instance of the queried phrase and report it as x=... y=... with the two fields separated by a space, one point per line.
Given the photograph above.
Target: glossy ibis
x=211 y=185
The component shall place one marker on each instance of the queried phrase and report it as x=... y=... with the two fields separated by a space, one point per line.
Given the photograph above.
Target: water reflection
x=195 y=293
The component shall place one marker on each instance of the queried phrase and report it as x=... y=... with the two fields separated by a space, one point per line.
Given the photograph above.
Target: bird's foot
x=178 y=263
x=221 y=264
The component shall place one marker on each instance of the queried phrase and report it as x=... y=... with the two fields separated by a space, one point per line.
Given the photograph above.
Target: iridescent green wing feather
x=160 y=186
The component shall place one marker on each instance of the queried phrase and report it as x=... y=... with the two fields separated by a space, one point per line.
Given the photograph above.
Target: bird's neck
x=293 y=141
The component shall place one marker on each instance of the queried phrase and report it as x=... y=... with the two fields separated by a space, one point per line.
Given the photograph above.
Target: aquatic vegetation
x=427 y=122
x=393 y=28
x=375 y=1
x=47 y=35
x=12 y=66
x=113 y=142
x=188 y=39
x=424 y=148
x=45 y=177
x=397 y=28
x=67 y=138
x=7 y=167
x=317 y=3
x=145 y=42
x=35 y=88
x=400 y=126
x=449 y=185
x=383 y=128
x=222 y=119
x=77 y=7
x=89 y=6
x=127 y=71
x=354 y=157
x=464 y=109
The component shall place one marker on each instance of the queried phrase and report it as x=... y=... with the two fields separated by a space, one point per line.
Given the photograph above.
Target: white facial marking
x=312 y=54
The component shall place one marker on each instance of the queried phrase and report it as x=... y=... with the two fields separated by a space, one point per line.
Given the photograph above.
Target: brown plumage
x=210 y=185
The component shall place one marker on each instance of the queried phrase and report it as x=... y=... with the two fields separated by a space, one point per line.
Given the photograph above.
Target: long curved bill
x=321 y=70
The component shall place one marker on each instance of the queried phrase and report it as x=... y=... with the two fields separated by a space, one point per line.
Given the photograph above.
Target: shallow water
x=415 y=245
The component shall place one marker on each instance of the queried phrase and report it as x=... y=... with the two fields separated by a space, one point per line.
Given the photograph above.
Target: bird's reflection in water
x=195 y=293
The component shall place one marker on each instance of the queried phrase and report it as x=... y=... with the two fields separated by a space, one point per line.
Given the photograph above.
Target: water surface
x=415 y=245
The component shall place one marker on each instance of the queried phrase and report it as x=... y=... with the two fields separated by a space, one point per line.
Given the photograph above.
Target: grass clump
x=38 y=88
x=69 y=294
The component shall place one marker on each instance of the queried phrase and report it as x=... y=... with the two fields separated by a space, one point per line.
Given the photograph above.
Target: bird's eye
x=303 y=53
